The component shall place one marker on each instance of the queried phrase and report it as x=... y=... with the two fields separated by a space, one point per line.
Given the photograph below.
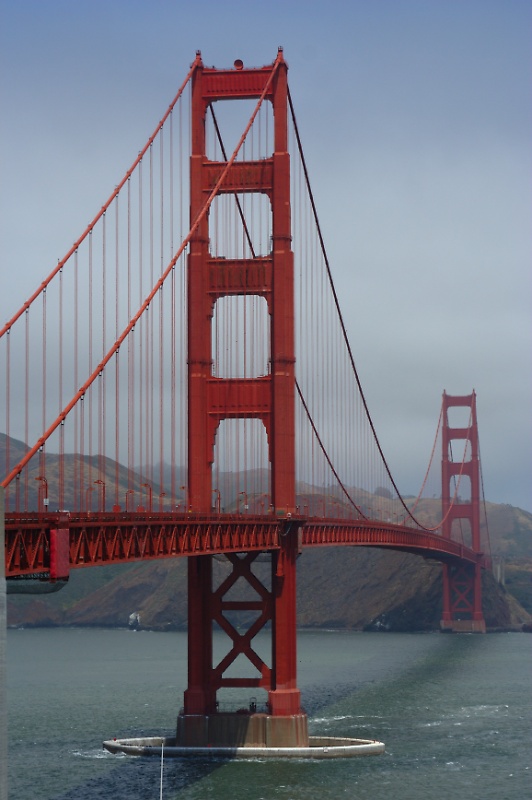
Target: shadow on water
x=389 y=670
x=424 y=658
x=140 y=778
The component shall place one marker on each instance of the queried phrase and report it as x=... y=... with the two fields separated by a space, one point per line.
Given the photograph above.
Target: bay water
x=455 y=713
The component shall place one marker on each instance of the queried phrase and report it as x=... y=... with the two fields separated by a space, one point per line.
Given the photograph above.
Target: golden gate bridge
x=188 y=336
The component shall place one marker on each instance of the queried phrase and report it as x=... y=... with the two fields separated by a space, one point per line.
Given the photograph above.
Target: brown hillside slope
x=337 y=588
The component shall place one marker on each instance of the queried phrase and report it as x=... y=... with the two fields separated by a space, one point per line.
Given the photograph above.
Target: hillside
x=356 y=587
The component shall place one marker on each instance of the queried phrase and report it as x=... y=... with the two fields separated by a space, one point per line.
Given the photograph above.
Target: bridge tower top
x=269 y=398
x=467 y=509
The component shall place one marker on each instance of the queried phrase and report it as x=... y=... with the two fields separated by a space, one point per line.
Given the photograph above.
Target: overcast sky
x=416 y=125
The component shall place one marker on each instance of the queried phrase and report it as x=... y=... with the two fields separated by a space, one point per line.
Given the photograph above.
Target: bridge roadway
x=37 y=544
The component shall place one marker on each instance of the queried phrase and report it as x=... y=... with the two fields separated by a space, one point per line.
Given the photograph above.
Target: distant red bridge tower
x=269 y=398
x=462 y=590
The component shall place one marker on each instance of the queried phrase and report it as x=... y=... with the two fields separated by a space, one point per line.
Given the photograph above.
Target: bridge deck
x=100 y=538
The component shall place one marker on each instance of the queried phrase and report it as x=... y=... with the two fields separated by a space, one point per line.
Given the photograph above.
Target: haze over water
x=455 y=713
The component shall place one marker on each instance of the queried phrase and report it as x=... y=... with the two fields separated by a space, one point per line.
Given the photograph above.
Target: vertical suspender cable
x=118 y=416
x=76 y=499
x=89 y=409
x=131 y=345
x=143 y=323
x=340 y=317
x=42 y=458
x=149 y=335
x=101 y=381
x=8 y=421
x=173 y=388
x=91 y=225
x=61 y=488
x=128 y=329
x=161 y=351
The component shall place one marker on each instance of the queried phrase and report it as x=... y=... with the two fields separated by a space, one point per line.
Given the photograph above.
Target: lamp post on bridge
x=88 y=503
x=44 y=487
x=126 y=497
x=101 y=483
x=150 y=495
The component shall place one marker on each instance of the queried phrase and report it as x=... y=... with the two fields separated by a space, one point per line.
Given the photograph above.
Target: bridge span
x=50 y=545
x=223 y=349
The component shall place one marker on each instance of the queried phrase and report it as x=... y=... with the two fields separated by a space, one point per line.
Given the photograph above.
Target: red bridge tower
x=462 y=591
x=270 y=398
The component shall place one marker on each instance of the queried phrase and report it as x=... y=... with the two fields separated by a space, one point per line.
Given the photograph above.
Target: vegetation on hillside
x=356 y=587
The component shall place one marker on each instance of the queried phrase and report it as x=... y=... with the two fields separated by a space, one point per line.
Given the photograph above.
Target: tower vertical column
x=282 y=434
x=462 y=589
x=200 y=450
x=199 y=697
x=284 y=696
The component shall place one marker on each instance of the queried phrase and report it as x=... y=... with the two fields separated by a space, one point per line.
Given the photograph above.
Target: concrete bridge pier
x=282 y=722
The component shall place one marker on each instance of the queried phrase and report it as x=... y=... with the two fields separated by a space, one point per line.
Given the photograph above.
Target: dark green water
x=455 y=713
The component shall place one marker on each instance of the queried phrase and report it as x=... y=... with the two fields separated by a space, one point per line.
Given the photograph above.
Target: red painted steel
x=200 y=694
x=59 y=553
x=233 y=276
x=242 y=641
x=462 y=593
x=270 y=398
x=325 y=533
x=99 y=539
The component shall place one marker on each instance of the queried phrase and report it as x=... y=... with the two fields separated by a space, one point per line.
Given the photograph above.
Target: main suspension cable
x=80 y=394
x=342 y=324
x=105 y=206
